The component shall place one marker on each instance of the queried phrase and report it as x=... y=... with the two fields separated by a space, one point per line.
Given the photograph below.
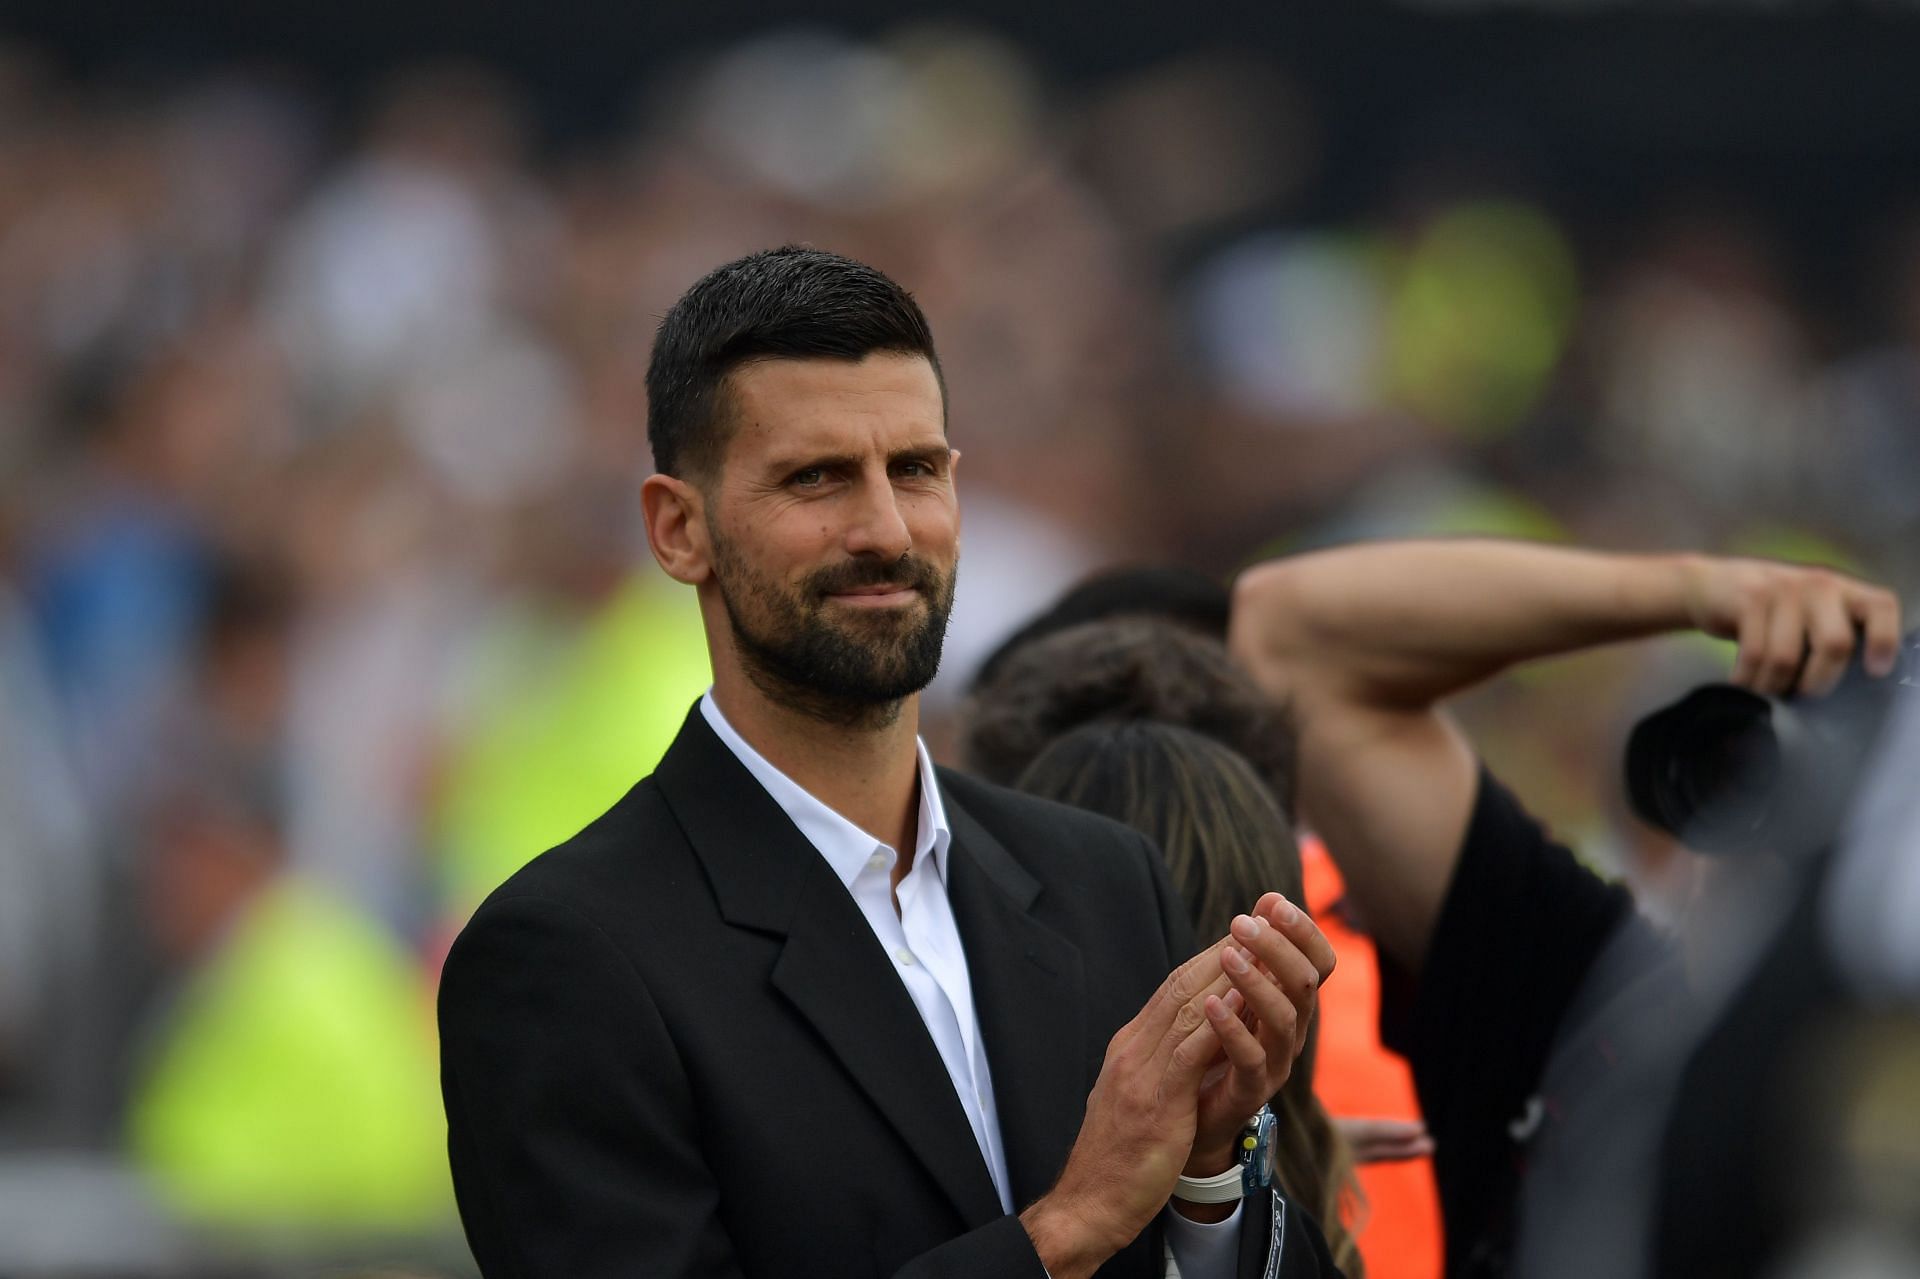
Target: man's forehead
x=770 y=379
x=885 y=402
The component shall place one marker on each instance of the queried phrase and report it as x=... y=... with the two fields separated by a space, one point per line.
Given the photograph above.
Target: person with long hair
x=1225 y=841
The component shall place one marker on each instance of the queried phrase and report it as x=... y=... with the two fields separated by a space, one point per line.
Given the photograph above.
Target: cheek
x=934 y=522
x=785 y=543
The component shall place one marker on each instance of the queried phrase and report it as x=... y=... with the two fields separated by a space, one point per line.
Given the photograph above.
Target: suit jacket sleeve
x=572 y=1126
x=570 y=1121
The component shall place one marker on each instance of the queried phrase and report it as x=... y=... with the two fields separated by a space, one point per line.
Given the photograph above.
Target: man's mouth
x=885 y=595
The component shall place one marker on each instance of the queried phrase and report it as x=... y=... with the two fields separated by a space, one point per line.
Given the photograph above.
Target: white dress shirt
x=924 y=943
x=921 y=938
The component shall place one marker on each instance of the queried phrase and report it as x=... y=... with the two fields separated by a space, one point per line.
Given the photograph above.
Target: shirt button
x=905 y=957
x=878 y=861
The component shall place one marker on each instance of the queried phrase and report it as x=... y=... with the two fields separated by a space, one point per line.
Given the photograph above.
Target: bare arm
x=1368 y=641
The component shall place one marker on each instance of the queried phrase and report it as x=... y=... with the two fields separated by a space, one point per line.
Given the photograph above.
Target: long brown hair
x=1226 y=842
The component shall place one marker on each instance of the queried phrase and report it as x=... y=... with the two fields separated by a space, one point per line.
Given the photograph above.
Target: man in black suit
x=801 y=1003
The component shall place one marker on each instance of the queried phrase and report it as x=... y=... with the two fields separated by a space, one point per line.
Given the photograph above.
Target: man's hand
x=1797 y=626
x=1154 y=1086
x=1367 y=643
x=1262 y=1023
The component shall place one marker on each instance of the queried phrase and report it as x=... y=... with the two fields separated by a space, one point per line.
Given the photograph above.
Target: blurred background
x=324 y=602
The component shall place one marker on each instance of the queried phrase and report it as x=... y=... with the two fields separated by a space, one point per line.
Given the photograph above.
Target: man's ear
x=676 y=516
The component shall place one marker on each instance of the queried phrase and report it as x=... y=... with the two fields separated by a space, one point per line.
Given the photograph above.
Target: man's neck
x=868 y=771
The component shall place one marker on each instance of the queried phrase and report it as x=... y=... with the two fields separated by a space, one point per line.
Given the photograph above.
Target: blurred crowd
x=324 y=601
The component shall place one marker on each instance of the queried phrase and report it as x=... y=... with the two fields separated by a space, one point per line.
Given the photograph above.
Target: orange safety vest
x=1399 y=1228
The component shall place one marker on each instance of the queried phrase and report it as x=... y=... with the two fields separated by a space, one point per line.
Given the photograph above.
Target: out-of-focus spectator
x=291 y=1084
x=390 y=339
x=52 y=885
x=1863 y=454
x=560 y=718
x=289 y=1081
x=1703 y=369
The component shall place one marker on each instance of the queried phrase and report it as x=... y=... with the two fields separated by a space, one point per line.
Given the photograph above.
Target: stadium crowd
x=324 y=602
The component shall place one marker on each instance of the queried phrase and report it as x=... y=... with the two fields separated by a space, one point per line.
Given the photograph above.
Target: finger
x=1187 y=1064
x=1150 y=1028
x=1384 y=1140
x=1752 y=634
x=1188 y=1018
x=1184 y=984
x=1281 y=962
x=1830 y=641
x=1281 y=1019
x=1298 y=927
x=1786 y=647
x=1237 y=1004
x=1878 y=614
x=1394 y=1150
x=1250 y=1081
x=1374 y=1130
x=1244 y=1052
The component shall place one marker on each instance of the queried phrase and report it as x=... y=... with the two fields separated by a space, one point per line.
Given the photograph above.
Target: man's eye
x=811 y=477
x=916 y=470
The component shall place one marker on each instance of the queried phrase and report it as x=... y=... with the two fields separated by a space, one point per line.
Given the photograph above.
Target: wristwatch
x=1252 y=1173
x=1256 y=1151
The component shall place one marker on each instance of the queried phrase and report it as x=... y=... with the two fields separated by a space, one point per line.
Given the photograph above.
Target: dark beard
x=854 y=673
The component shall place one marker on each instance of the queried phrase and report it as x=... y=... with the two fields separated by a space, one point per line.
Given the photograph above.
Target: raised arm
x=1368 y=641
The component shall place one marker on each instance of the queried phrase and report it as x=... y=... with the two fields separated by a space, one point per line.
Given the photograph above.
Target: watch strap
x=1222 y=1187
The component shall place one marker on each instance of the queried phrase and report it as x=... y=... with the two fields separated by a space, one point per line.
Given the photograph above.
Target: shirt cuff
x=1203 y=1249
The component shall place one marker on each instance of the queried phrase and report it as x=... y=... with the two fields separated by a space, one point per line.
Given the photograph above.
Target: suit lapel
x=768 y=878
x=1029 y=994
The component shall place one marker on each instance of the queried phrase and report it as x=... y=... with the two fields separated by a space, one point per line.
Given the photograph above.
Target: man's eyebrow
x=810 y=462
x=787 y=465
x=922 y=452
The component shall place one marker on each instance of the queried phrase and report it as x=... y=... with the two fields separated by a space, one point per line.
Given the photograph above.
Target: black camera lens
x=1707 y=768
x=1727 y=770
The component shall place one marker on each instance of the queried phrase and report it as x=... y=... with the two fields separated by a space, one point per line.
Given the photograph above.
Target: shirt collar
x=846 y=847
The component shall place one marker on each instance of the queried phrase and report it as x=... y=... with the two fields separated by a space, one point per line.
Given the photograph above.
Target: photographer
x=1537 y=1009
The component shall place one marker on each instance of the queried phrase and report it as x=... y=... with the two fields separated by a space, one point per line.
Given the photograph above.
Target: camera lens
x=1707 y=768
x=1727 y=765
x=1726 y=770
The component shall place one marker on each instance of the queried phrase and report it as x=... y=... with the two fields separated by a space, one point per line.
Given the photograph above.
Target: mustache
x=907 y=571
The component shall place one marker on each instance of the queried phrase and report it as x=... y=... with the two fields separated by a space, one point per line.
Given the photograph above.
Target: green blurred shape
x=296 y=1086
x=1490 y=512
x=1486 y=302
x=1802 y=546
x=567 y=725
x=1477 y=511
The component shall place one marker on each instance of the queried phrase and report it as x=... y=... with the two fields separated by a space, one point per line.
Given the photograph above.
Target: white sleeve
x=1203 y=1249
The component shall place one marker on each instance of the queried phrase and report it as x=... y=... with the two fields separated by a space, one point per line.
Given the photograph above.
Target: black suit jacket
x=673 y=1045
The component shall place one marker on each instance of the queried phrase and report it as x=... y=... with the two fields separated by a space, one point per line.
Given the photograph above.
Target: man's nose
x=878 y=528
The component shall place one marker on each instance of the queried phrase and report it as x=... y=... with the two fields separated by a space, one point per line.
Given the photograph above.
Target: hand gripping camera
x=1728 y=770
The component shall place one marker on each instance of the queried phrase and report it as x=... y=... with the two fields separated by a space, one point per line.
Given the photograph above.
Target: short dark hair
x=1128 y=668
x=788 y=303
x=1167 y=591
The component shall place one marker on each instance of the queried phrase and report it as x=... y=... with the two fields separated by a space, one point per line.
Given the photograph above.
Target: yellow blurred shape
x=1486 y=301
x=296 y=1085
x=568 y=733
